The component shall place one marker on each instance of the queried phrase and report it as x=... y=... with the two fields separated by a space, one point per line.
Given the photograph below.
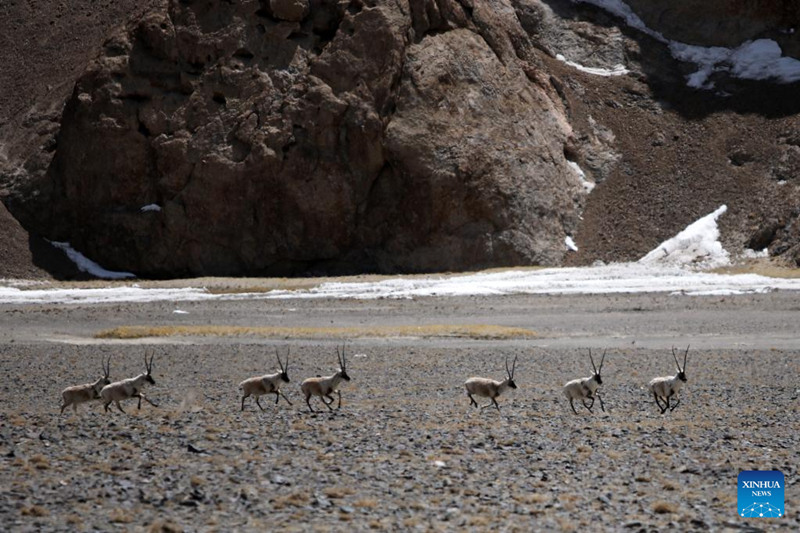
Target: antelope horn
x=592 y=360
x=601 y=361
x=676 y=360
x=684 y=358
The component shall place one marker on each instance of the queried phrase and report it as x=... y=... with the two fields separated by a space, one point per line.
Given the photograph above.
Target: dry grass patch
x=40 y=462
x=164 y=527
x=767 y=269
x=338 y=492
x=121 y=516
x=295 y=499
x=35 y=510
x=366 y=503
x=471 y=331
x=662 y=507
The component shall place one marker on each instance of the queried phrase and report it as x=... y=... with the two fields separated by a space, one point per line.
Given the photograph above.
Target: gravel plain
x=405 y=451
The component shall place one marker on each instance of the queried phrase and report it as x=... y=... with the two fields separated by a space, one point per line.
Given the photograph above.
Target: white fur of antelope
x=586 y=388
x=489 y=388
x=664 y=388
x=324 y=386
x=87 y=392
x=129 y=388
x=267 y=384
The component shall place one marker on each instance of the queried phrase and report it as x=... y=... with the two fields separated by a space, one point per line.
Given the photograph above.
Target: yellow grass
x=474 y=331
x=35 y=510
x=765 y=268
x=663 y=507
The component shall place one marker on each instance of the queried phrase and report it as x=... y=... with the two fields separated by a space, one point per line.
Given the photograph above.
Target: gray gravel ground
x=405 y=451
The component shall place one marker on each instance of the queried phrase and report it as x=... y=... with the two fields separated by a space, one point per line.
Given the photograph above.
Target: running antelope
x=129 y=388
x=87 y=392
x=489 y=388
x=323 y=387
x=583 y=388
x=267 y=384
x=665 y=388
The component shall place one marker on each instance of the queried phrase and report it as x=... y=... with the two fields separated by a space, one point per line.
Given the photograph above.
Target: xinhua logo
x=761 y=494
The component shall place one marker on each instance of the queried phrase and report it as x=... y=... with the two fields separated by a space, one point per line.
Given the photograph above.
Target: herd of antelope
x=583 y=389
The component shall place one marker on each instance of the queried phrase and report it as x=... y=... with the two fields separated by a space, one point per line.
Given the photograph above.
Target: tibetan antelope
x=665 y=388
x=267 y=384
x=323 y=387
x=87 y=392
x=583 y=388
x=129 y=388
x=489 y=388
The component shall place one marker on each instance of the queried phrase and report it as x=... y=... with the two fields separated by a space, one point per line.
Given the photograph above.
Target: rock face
x=278 y=139
x=331 y=136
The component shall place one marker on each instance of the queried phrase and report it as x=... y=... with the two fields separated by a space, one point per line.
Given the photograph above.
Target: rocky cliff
x=296 y=136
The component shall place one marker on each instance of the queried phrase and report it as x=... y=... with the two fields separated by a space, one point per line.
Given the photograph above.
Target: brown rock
x=291 y=10
x=344 y=140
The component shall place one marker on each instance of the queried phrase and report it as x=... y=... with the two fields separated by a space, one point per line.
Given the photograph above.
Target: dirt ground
x=405 y=451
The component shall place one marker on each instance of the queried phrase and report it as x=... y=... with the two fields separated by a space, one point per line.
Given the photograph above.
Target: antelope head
x=149 y=367
x=342 y=363
x=596 y=375
x=510 y=372
x=681 y=371
x=284 y=368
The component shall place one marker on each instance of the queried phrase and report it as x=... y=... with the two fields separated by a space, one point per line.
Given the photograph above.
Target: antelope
x=323 y=387
x=87 y=392
x=489 y=388
x=667 y=387
x=267 y=384
x=583 y=388
x=129 y=388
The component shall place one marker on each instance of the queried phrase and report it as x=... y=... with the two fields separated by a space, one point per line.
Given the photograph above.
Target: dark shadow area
x=54 y=261
x=666 y=76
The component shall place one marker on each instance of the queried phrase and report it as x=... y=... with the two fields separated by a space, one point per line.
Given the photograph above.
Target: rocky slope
x=288 y=137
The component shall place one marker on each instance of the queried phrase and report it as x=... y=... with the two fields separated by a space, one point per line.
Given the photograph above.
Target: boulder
x=393 y=137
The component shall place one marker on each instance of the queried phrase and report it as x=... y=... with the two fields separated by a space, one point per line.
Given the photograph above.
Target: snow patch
x=753 y=254
x=671 y=268
x=13 y=295
x=617 y=70
x=607 y=279
x=180 y=312
x=85 y=264
x=761 y=59
x=588 y=185
x=570 y=244
x=698 y=245
x=150 y=207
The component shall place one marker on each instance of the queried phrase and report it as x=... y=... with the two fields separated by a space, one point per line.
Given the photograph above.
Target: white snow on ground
x=608 y=279
x=761 y=59
x=753 y=254
x=85 y=264
x=698 y=246
x=588 y=185
x=618 y=70
x=672 y=267
x=150 y=207
x=12 y=295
